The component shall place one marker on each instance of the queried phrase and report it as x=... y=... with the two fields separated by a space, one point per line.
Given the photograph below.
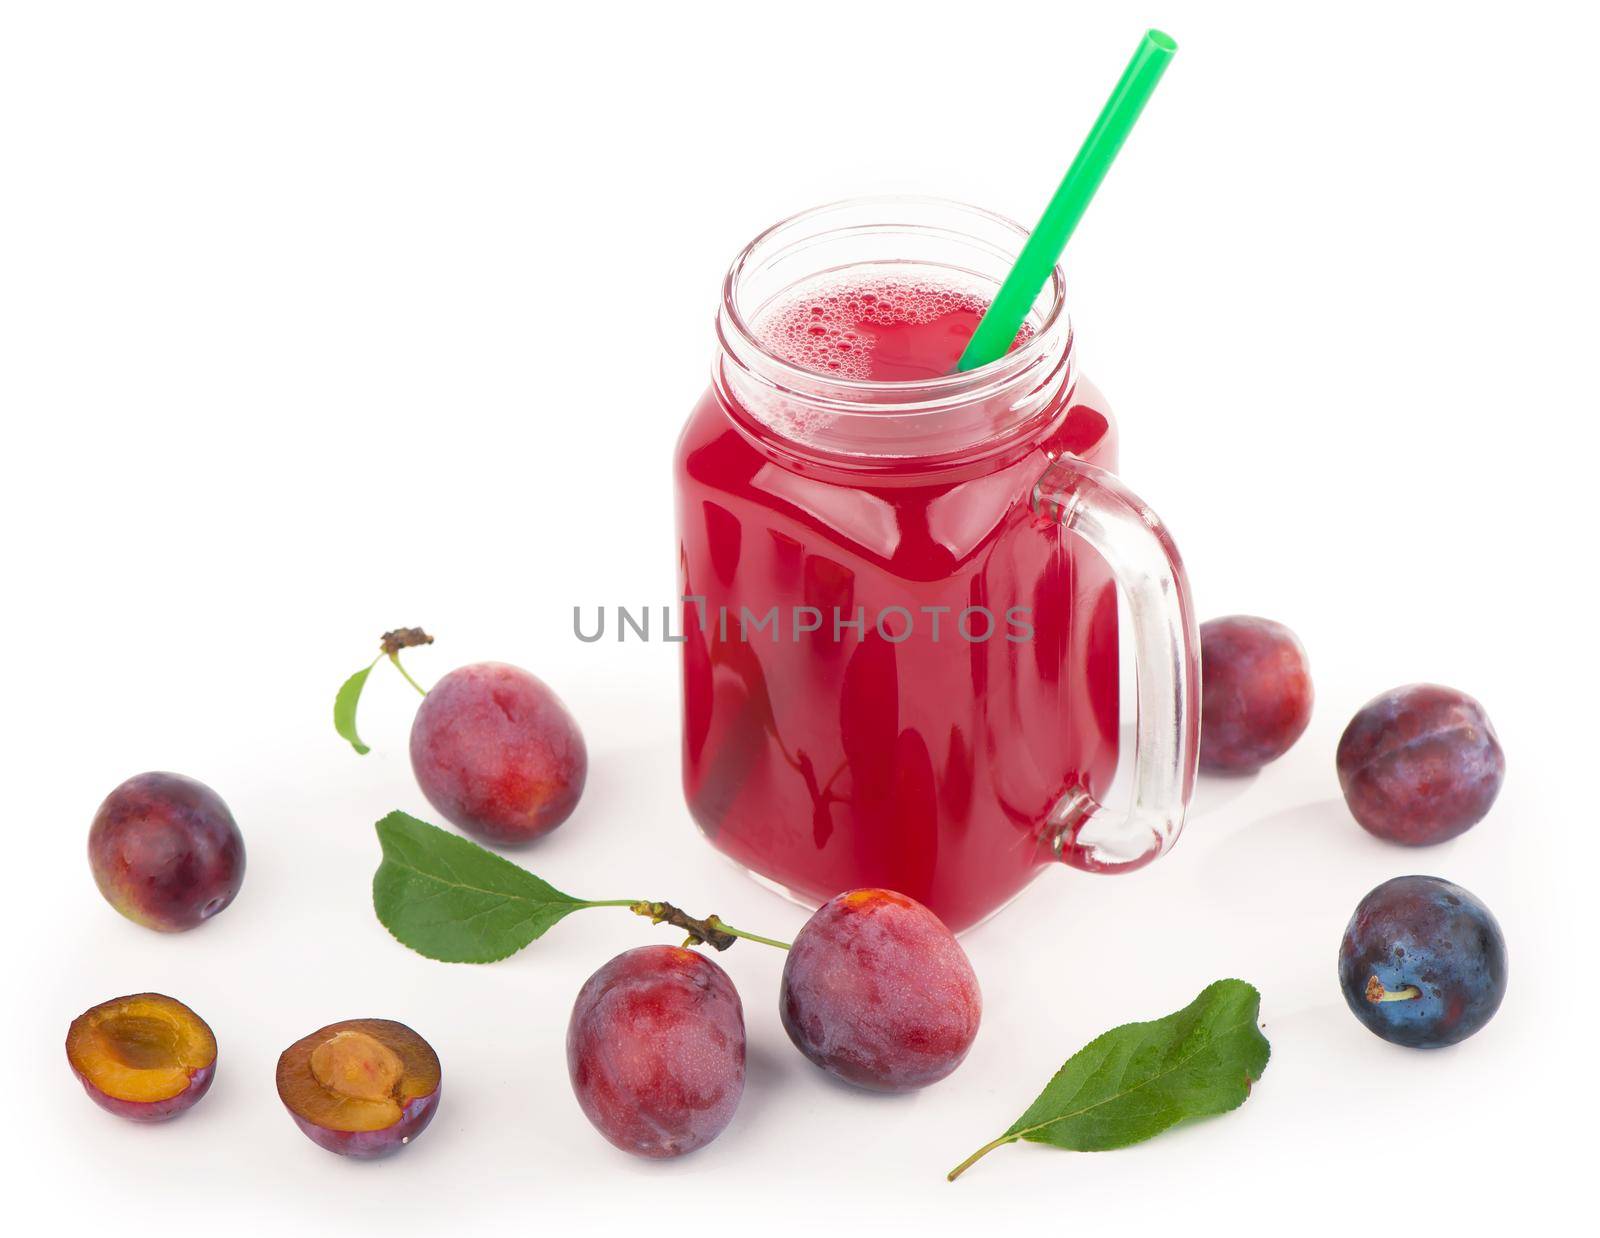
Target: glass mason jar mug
x=897 y=670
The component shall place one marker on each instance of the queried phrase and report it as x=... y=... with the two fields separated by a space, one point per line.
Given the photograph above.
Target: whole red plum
x=877 y=991
x=166 y=851
x=1420 y=764
x=497 y=753
x=656 y=1051
x=1255 y=693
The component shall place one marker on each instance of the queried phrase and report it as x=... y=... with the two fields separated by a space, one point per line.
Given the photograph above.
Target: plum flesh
x=146 y=1057
x=363 y=1088
x=1422 y=962
x=1255 y=693
x=1420 y=764
x=497 y=753
x=877 y=991
x=656 y=1051
x=166 y=852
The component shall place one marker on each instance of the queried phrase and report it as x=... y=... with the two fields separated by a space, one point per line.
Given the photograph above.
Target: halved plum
x=362 y=1088
x=146 y=1057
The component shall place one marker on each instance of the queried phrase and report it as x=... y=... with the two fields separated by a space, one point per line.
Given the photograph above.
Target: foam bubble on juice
x=845 y=325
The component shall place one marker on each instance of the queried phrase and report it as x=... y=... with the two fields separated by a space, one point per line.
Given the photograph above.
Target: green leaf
x=451 y=900
x=1135 y=1081
x=344 y=708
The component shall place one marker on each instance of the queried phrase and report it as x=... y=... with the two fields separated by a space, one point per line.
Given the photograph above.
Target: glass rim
x=936 y=391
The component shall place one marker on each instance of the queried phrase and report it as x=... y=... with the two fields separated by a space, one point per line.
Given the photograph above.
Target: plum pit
x=361 y=1088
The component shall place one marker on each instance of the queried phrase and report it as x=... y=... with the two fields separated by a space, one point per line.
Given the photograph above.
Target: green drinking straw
x=1005 y=316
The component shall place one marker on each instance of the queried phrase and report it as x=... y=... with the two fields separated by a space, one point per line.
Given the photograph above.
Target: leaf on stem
x=451 y=900
x=344 y=708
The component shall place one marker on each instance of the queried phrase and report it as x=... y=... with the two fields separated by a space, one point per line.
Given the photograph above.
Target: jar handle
x=1093 y=504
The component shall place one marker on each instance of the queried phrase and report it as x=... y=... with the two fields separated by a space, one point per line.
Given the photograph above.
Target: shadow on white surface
x=1212 y=792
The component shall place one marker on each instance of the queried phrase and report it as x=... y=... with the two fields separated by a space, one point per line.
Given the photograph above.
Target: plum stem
x=979 y=1155
x=348 y=698
x=712 y=931
x=392 y=642
x=728 y=928
x=1376 y=992
x=405 y=674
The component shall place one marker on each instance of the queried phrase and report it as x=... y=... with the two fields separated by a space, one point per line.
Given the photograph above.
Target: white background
x=320 y=318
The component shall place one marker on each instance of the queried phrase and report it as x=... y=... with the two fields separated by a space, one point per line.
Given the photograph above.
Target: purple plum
x=497 y=753
x=1255 y=693
x=656 y=1051
x=166 y=852
x=878 y=992
x=1420 y=764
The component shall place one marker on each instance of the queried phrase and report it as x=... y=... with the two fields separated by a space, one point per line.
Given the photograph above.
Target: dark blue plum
x=1423 y=963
